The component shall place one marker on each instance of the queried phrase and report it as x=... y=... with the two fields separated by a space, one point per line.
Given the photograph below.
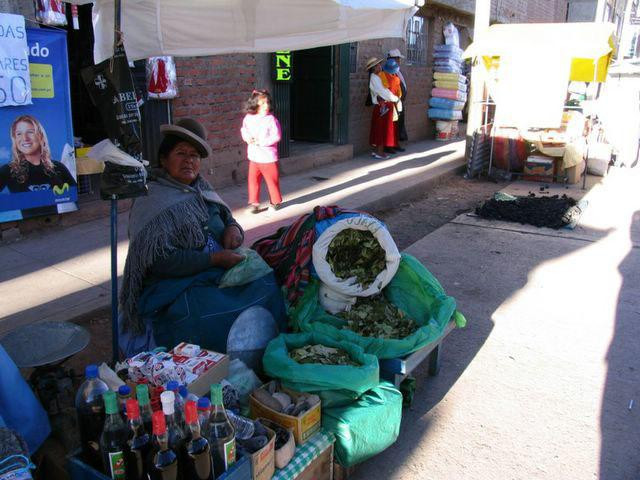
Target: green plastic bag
x=413 y=289
x=367 y=426
x=334 y=384
x=251 y=268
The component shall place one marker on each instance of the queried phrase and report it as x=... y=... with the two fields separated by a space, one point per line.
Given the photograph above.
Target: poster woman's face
x=26 y=139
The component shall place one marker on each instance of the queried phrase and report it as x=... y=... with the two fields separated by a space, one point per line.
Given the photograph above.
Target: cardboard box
x=303 y=426
x=263 y=463
x=538 y=168
x=321 y=468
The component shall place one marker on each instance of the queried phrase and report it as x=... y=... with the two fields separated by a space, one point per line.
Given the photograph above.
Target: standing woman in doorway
x=382 y=132
x=261 y=131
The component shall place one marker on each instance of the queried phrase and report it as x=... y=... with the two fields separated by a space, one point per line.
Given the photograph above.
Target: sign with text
x=282 y=66
x=37 y=158
x=15 y=86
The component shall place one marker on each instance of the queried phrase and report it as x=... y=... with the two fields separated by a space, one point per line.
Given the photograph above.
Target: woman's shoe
x=377 y=156
x=253 y=208
x=273 y=207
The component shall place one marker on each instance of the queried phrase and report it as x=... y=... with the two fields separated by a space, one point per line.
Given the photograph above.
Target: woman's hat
x=395 y=53
x=190 y=130
x=391 y=66
x=372 y=62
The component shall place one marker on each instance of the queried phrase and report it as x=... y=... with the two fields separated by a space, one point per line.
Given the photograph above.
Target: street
x=543 y=381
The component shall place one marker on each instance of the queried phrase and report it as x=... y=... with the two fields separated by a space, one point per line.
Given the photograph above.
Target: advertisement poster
x=37 y=158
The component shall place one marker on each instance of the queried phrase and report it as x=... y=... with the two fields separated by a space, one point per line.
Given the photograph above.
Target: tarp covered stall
x=208 y=27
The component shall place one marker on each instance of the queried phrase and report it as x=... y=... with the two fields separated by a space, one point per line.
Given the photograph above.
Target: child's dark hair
x=251 y=105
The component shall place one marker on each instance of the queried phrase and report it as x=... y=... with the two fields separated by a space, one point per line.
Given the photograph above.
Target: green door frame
x=341 y=96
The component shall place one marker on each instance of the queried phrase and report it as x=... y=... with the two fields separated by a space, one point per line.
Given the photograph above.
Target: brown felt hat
x=191 y=131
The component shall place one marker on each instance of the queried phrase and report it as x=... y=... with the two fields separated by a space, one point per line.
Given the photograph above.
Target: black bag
x=112 y=91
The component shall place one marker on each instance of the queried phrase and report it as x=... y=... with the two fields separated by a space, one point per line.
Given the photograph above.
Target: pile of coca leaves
x=376 y=317
x=322 y=354
x=356 y=253
x=552 y=212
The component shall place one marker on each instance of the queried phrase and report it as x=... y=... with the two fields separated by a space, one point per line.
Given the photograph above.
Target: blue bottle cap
x=183 y=391
x=124 y=390
x=204 y=402
x=91 y=371
x=173 y=385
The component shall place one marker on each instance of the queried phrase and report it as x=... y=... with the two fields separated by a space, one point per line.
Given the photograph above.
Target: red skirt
x=383 y=131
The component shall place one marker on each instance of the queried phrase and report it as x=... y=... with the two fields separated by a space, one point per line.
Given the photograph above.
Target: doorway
x=312 y=95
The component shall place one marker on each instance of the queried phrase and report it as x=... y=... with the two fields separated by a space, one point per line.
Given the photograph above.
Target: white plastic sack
x=334 y=302
x=349 y=286
x=599 y=157
x=106 y=151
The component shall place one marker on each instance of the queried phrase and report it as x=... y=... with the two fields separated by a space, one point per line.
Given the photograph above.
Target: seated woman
x=182 y=241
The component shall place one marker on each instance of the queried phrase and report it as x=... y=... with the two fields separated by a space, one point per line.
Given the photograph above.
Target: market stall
x=543 y=81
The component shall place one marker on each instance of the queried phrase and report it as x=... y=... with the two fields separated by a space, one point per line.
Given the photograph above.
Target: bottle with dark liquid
x=139 y=443
x=113 y=441
x=142 y=394
x=175 y=432
x=222 y=439
x=199 y=462
x=90 y=408
x=163 y=463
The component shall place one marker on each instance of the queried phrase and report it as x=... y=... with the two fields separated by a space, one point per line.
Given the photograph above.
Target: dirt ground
x=408 y=223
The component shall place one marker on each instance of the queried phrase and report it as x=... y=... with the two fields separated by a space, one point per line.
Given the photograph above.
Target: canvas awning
x=589 y=45
x=211 y=27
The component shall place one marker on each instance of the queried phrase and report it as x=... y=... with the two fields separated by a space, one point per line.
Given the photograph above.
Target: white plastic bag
x=599 y=158
x=161 y=78
x=334 y=302
x=350 y=287
x=451 y=35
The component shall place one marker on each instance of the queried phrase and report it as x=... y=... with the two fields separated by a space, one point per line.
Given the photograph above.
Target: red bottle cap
x=159 y=423
x=133 y=409
x=191 y=412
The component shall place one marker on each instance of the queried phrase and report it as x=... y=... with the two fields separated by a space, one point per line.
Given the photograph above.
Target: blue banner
x=37 y=158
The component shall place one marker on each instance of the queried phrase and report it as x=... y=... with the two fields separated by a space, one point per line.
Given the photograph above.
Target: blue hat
x=391 y=66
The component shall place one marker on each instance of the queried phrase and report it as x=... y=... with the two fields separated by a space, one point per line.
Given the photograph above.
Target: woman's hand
x=232 y=237
x=225 y=259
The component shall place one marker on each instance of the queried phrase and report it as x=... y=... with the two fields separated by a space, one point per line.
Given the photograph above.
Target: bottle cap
x=191 y=412
x=173 y=385
x=183 y=391
x=142 y=394
x=124 y=390
x=91 y=371
x=110 y=403
x=216 y=394
x=159 y=423
x=168 y=402
x=204 y=403
x=133 y=409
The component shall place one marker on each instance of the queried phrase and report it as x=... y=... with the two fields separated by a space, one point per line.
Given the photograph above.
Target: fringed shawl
x=169 y=218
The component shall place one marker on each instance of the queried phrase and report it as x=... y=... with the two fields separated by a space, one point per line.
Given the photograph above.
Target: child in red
x=261 y=131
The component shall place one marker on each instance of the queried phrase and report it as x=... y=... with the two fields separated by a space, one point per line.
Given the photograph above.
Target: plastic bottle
x=139 y=442
x=124 y=394
x=243 y=426
x=175 y=432
x=174 y=387
x=163 y=460
x=142 y=394
x=90 y=409
x=204 y=411
x=113 y=441
x=222 y=437
x=199 y=462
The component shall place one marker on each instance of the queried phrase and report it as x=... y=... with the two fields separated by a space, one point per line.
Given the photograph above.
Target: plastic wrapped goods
x=161 y=78
x=445 y=114
x=450 y=94
x=446 y=103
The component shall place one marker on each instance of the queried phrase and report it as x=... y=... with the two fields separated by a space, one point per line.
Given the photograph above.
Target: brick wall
x=528 y=11
x=213 y=90
x=419 y=79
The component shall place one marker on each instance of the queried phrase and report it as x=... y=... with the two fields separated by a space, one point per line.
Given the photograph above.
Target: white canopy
x=211 y=27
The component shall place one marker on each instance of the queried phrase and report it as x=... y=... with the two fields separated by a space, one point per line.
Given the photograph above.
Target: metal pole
x=114 y=226
x=114 y=278
x=476 y=91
